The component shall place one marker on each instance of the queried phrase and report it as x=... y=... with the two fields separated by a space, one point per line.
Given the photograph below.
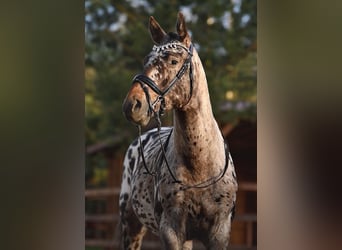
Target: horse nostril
x=136 y=106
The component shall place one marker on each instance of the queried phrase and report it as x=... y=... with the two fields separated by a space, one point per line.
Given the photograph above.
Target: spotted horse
x=178 y=182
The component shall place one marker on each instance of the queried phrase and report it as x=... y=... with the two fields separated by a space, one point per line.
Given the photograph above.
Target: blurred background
x=116 y=41
x=42 y=69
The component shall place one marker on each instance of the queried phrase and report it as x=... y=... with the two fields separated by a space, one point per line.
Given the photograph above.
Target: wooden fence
x=243 y=228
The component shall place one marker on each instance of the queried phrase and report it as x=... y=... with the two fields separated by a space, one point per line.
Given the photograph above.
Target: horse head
x=166 y=79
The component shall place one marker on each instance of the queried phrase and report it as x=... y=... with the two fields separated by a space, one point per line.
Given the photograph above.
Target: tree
x=117 y=40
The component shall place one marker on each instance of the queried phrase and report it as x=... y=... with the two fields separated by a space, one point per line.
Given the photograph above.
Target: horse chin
x=142 y=121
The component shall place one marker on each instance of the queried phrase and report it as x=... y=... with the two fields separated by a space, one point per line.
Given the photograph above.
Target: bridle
x=145 y=80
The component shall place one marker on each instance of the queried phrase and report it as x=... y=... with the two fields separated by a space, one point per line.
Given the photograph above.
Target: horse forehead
x=170 y=46
x=150 y=58
x=160 y=50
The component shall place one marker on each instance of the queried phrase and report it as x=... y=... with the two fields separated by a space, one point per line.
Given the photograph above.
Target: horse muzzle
x=136 y=108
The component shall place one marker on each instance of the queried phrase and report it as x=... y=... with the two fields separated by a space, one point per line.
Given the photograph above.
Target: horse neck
x=197 y=137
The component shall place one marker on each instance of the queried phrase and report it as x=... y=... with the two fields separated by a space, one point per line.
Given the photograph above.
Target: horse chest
x=196 y=203
x=198 y=208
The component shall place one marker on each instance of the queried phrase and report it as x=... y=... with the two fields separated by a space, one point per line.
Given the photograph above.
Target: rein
x=145 y=80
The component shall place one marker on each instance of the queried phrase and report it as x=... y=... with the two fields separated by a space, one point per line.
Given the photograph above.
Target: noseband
x=145 y=80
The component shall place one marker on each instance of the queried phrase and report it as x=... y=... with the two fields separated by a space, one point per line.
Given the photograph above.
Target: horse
x=178 y=182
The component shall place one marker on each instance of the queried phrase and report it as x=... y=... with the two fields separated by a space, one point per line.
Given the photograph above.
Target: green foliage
x=117 y=40
x=96 y=173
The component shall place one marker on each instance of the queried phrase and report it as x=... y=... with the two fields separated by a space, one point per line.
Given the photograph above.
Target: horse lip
x=141 y=122
x=135 y=118
x=145 y=121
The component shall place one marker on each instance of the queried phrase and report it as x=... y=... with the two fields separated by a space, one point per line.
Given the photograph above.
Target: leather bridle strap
x=145 y=80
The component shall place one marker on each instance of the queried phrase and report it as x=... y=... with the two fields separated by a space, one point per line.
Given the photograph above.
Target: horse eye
x=174 y=62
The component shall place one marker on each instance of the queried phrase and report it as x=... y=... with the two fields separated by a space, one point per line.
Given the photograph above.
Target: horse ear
x=157 y=33
x=181 y=29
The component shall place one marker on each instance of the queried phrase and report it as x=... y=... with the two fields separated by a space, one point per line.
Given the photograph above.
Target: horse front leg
x=219 y=235
x=187 y=245
x=171 y=235
x=132 y=231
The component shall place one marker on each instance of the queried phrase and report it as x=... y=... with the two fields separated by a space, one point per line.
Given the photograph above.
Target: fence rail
x=113 y=218
x=151 y=245
x=101 y=192
x=102 y=217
